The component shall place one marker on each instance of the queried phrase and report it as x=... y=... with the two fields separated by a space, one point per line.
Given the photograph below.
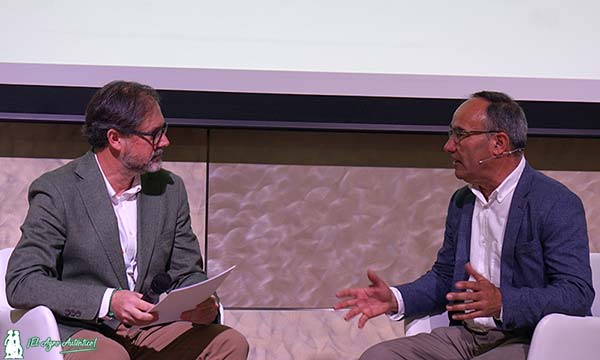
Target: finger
x=200 y=317
x=362 y=321
x=144 y=306
x=471 y=285
x=211 y=315
x=150 y=320
x=345 y=304
x=375 y=279
x=189 y=315
x=208 y=302
x=471 y=271
x=215 y=302
x=204 y=307
x=468 y=316
x=463 y=296
x=347 y=293
x=352 y=313
x=475 y=305
x=138 y=316
x=133 y=316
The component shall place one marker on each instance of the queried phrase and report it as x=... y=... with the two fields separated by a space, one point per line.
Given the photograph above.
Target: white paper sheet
x=171 y=305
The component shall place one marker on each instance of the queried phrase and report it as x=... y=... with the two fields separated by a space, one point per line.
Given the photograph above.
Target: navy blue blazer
x=545 y=256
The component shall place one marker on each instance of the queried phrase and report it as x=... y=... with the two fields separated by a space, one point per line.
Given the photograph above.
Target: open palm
x=372 y=301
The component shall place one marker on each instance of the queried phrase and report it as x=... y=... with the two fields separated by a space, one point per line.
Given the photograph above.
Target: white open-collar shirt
x=488 y=226
x=125 y=207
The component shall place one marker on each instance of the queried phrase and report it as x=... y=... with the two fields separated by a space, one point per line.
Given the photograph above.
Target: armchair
x=37 y=322
x=557 y=336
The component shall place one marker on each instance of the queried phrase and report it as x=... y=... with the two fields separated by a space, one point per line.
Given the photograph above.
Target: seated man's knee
x=377 y=351
x=233 y=343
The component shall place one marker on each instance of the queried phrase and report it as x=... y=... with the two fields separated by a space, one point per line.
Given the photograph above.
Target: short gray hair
x=503 y=113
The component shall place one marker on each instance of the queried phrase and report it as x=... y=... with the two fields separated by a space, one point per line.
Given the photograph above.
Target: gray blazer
x=69 y=252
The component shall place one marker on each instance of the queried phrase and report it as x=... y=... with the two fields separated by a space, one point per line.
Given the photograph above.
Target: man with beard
x=515 y=249
x=101 y=227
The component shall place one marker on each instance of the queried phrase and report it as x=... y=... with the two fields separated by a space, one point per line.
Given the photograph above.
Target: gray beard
x=153 y=165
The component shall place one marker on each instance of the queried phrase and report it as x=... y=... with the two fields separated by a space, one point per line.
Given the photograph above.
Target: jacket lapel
x=149 y=217
x=94 y=195
x=463 y=246
x=513 y=225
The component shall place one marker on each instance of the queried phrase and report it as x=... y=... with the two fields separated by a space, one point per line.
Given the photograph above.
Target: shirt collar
x=128 y=194
x=505 y=188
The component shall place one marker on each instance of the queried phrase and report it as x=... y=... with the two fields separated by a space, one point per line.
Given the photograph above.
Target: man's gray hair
x=120 y=105
x=503 y=113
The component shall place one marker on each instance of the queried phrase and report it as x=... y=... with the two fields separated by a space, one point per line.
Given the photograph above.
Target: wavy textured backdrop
x=298 y=233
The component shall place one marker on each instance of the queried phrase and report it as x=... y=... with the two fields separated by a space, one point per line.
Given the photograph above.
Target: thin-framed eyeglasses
x=155 y=135
x=457 y=134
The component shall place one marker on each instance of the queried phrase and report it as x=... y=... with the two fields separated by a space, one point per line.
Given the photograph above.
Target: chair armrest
x=559 y=336
x=221 y=317
x=417 y=326
x=425 y=324
x=37 y=322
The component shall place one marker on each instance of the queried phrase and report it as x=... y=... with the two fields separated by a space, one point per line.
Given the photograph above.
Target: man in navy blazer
x=515 y=249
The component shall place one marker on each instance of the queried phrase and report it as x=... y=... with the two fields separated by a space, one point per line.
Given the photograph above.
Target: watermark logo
x=69 y=346
x=14 y=350
x=12 y=345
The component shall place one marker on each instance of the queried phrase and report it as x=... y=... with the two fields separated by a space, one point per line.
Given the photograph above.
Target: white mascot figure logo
x=12 y=345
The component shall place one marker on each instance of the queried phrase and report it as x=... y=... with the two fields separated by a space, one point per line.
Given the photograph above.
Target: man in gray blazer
x=515 y=249
x=100 y=228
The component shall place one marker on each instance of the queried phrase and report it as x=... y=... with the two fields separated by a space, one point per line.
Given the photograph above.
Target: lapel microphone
x=160 y=283
x=506 y=153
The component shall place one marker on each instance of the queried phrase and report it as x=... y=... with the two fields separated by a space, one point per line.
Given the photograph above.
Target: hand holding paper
x=172 y=305
x=204 y=313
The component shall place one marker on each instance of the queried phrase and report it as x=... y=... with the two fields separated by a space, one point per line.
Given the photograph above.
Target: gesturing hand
x=483 y=300
x=373 y=301
x=130 y=309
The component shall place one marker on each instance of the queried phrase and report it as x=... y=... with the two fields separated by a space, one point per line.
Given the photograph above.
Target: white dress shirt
x=487 y=236
x=125 y=207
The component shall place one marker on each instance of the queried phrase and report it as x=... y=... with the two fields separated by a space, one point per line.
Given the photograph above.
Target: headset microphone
x=506 y=153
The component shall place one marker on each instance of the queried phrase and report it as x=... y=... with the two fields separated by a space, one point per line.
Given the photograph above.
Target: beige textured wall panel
x=299 y=233
x=194 y=178
x=16 y=174
x=308 y=334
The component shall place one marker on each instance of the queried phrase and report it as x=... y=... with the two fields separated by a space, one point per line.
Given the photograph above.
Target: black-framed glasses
x=457 y=134
x=155 y=135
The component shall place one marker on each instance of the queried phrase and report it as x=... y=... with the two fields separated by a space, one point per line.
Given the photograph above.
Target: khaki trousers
x=179 y=340
x=448 y=343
